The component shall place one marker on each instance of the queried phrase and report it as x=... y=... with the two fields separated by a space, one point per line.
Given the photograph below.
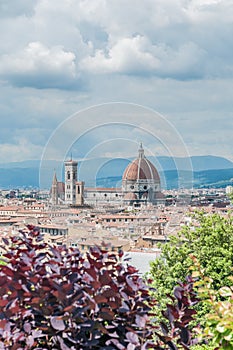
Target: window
x=68 y=175
x=78 y=189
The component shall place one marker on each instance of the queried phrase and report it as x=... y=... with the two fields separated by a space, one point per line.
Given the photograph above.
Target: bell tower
x=71 y=169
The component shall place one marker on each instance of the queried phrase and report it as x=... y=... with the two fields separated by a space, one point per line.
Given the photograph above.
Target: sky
x=173 y=58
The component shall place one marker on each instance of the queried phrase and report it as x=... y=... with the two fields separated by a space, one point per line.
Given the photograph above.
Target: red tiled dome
x=141 y=169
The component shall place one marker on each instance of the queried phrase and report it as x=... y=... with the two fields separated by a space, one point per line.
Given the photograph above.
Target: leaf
x=62 y=344
x=141 y=321
x=57 y=323
x=164 y=328
x=195 y=274
x=132 y=338
x=27 y=327
x=225 y=292
x=178 y=292
x=3 y=302
x=5 y=241
x=185 y=335
x=9 y=272
x=3 y=323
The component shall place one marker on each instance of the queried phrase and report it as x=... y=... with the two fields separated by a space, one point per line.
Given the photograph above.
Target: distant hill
x=210 y=162
x=207 y=178
x=18 y=178
x=199 y=163
x=106 y=172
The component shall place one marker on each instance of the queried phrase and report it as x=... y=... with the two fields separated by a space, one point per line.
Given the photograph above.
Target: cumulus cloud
x=128 y=55
x=39 y=66
x=181 y=39
x=138 y=55
x=172 y=55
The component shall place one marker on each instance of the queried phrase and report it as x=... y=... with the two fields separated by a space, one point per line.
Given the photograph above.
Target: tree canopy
x=210 y=239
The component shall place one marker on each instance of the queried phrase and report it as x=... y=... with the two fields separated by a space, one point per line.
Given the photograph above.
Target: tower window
x=68 y=175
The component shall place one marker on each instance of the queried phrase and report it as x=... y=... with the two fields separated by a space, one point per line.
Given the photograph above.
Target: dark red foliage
x=55 y=298
x=179 y=314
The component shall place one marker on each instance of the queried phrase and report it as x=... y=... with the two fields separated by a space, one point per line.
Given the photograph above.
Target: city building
x=72 y=191
x=71 y=168
x=141 y=181
x=140 y=184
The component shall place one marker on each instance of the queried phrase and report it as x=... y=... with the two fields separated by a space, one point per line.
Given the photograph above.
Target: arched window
x=68 y=175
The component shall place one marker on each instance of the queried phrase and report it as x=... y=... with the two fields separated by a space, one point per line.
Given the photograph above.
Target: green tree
x=230 y=196
x=210 y=239
x=218 y=328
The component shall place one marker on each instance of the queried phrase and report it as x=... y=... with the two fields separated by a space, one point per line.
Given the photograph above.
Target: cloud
x=20 y=8
x=40 y=66
x=21 y=150
x=174 y=56
x=181 y=39
x=128 y=55
x=138 y=55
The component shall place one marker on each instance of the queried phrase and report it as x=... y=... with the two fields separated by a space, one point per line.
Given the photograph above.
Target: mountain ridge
x=207 y=170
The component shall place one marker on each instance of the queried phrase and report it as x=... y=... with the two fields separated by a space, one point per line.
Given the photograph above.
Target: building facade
x=141 y=181
x=71 y=170
x=140 y=184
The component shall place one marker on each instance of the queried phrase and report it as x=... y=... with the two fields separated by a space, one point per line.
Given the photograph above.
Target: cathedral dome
x=140 y=169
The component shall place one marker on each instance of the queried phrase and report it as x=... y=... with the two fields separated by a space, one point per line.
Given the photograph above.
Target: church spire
x=54 y=178
x=54 y=190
